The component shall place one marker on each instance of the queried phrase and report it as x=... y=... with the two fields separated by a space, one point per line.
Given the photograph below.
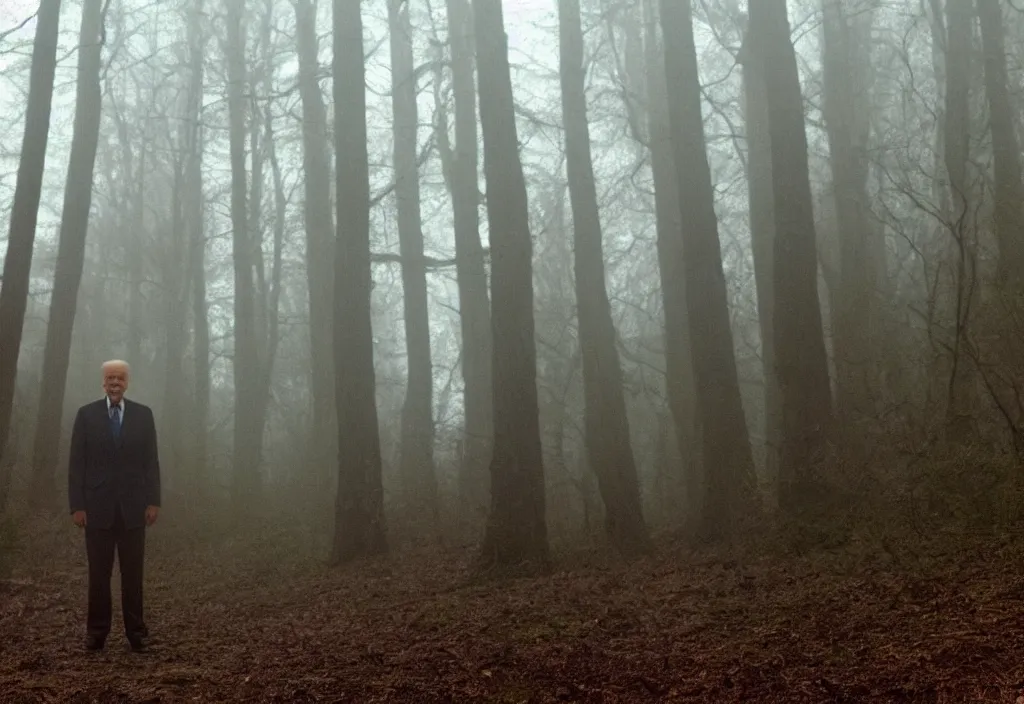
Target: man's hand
x=151 y=513
x=79 y=518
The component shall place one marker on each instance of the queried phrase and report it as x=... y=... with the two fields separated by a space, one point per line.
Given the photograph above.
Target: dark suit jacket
x=104 y=474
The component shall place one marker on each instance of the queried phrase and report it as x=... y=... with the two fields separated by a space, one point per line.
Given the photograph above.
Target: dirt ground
x=261 y=620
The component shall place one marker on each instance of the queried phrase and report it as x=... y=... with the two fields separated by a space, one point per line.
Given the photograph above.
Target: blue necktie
x=115 y=422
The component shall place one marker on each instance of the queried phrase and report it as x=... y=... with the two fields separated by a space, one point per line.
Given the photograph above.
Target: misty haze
x=511 y=351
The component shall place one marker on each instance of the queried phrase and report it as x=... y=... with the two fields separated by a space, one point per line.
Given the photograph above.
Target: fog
x=518 y=281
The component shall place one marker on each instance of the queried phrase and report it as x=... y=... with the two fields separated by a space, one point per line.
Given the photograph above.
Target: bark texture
x=606 y=426
x=74 y=226
x=516 y=528
x=25 y=209
x=729 y=469
x=416 y=445
x=800 y=358
x=359 y=529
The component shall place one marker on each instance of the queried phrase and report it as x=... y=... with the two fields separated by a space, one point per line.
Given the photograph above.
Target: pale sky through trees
x=525 y=43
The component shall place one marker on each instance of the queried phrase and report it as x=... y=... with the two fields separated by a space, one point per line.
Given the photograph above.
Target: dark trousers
x=100 y=545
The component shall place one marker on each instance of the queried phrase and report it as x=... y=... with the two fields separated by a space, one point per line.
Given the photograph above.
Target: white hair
x=119 y=363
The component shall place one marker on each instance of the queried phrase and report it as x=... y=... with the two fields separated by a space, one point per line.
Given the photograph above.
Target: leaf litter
x=262 y=623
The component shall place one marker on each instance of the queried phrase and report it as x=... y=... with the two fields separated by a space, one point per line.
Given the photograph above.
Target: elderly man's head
x=115 y=379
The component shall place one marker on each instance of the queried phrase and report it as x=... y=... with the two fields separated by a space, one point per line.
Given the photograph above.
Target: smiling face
x=115 y=380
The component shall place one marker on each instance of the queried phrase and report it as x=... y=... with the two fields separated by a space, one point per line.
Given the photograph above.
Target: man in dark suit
x=114 y=492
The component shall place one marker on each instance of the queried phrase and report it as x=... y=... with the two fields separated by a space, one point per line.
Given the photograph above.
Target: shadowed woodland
x=523 y=350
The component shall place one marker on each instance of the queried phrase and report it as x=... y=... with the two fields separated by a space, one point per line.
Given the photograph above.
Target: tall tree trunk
x=258 y=150
x=801 y=362
x=319 y=242
x=516 y=527
x=359 y=512
x=762 y=235
x=200 y=412
x=416 y=461
x=606 y=425
x=1006 y=153
x=729 y=477
x=267 y=293
x=175 y=324
x=846 y=58
x=134 y=250
x=25 y=209
x=176 y=267
x=271 y=293
x=74 y=225
x=679 y=381
x=461 y=169
x=957 y=136
x=246 y=454
x=196 y=233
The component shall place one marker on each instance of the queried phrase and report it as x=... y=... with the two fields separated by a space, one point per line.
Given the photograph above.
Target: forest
x=522 y=350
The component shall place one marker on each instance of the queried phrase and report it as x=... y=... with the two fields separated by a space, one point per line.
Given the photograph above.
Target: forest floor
x=262 y=620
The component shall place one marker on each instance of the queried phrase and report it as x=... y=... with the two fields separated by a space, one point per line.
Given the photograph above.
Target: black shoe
x=94 y=643
x=137 y=645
